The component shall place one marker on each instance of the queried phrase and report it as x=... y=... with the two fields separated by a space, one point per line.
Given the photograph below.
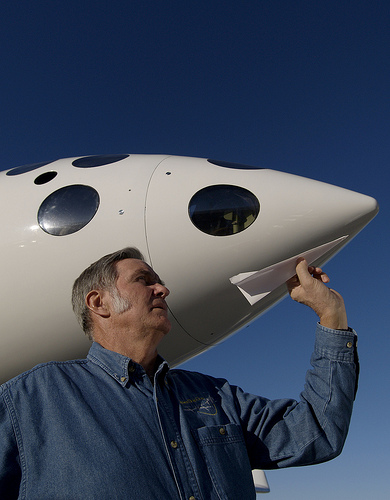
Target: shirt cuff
x=337 y=345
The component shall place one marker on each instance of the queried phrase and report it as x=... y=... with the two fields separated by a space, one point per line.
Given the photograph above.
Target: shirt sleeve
x=10 y=473
x=285 y=433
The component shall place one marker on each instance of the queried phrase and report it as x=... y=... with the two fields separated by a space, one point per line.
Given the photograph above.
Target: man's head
x=102 y=276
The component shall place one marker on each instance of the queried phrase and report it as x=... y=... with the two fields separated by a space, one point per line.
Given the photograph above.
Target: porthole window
x=228 y=164
x=223 y=210
x=27 y=168
x=45 y=178
x=68 y=209
x=97 y=160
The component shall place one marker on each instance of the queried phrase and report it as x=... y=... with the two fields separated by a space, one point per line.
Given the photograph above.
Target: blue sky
x=296 y=86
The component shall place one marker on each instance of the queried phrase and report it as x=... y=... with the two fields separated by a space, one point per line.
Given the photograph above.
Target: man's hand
x=308 y=287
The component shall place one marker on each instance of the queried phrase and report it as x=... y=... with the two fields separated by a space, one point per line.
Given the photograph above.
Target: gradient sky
x=296 y=86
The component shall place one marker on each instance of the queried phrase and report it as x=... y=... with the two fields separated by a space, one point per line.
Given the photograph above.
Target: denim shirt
x=98 y=428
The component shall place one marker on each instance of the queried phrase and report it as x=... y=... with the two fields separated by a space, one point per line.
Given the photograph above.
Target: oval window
x=229 y=164
x=97 y=160
x=68 y=209
x=222 y=210
x=27 y=168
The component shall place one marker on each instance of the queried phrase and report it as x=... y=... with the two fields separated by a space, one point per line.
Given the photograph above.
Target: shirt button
x=192 y=498
x=349 y=345
x=174 y=444
x=222 y=431
x=123 y=379
x=131 y=369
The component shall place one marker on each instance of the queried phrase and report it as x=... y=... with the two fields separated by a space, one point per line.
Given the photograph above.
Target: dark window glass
x=45 y=178
x=97 y=161
x=222 y=210
x=27 y=168
x=228 y=164
x=68 y=209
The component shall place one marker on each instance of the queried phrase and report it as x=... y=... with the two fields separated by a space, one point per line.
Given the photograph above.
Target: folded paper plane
x=256 y=285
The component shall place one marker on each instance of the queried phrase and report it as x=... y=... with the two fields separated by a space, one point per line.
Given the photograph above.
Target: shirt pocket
x=224 y=451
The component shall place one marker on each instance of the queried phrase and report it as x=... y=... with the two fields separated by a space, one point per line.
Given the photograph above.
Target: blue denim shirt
x=99 y=429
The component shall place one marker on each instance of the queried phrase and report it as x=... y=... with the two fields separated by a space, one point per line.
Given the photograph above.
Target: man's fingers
x=302 y=270
x=305 y=272
x=308 y=287
x=318 y=273
x=305 y=275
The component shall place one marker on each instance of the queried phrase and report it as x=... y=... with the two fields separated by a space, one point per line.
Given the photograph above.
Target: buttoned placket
x=182 y=470
x=151 y=389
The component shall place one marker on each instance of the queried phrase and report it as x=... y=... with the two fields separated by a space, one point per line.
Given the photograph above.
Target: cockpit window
x=228 y=164
x=68 y=209
x=97 y=160
x=222 y=210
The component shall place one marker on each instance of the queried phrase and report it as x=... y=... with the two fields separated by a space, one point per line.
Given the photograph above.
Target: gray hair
x=101 y=275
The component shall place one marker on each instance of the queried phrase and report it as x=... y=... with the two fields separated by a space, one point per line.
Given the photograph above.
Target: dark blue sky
x=297 y=86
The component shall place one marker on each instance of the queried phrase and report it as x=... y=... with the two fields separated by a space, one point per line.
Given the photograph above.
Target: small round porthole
x=68 y=209
x=223 y=210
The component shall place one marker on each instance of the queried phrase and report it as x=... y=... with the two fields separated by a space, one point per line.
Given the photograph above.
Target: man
x=121 y=424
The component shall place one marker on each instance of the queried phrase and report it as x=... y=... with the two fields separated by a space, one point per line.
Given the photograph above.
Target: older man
x=121 y=424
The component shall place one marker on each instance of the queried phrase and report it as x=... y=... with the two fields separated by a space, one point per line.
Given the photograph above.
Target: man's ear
x=96 y=301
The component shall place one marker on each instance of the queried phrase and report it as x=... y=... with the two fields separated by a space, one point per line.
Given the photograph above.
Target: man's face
x=141 y=288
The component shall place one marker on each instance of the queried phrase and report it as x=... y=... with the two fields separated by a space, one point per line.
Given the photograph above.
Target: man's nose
x=161 y=290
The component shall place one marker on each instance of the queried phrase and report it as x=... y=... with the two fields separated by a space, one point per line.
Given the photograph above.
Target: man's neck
x=143 y=353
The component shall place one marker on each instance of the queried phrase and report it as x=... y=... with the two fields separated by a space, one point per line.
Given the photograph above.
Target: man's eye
x=146 y=279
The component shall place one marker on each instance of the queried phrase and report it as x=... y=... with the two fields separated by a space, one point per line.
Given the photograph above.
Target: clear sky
x=296 y=86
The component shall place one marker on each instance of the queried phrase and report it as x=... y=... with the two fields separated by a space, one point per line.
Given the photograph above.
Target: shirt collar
x=120 y=367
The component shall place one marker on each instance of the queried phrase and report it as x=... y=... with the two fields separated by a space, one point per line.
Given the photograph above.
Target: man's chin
x=167 y=327
x=164 y=325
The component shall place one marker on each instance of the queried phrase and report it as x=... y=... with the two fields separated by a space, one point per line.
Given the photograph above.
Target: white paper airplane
x=257 y=284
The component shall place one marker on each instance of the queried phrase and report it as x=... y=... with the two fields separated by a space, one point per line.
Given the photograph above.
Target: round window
x=222 y=210
x=68 y=209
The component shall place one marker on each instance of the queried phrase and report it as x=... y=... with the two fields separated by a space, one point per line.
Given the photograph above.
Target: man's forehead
x=133 y=266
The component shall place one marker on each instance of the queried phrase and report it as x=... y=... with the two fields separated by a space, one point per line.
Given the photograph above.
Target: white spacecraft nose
x=227 y=221
x=200 y=223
